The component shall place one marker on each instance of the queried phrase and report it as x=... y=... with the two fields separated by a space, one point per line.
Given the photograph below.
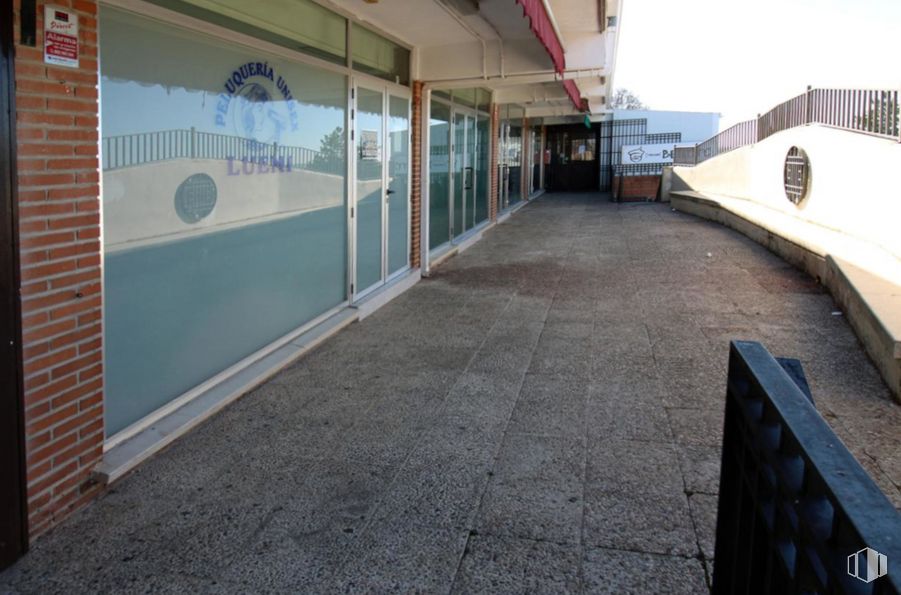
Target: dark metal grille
x=663 y=137
x=639 y=169
x=797 y=168
x=615 y=134
x=795 y=507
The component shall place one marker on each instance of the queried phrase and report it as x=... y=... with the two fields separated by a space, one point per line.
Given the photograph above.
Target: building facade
x=192 y=187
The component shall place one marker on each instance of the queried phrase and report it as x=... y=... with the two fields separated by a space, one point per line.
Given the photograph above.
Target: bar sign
x=60 y=37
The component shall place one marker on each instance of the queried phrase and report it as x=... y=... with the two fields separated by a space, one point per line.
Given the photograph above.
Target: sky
x=741 y=58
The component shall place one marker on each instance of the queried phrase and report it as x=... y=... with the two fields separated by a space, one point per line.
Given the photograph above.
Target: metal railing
x=797 y=513
x=874 y=112
x=130 y=150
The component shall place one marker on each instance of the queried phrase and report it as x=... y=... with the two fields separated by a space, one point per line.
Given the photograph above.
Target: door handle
x=389 y=191
x=467 y=178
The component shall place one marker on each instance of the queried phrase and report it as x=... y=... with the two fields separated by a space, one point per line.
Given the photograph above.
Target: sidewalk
x=542 y=414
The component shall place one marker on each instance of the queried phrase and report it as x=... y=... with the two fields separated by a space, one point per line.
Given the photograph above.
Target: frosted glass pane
x=398 y=179
x=369 y=188
x=297 y=24
x=439 y=175
x=380 y=57
x=224 y=219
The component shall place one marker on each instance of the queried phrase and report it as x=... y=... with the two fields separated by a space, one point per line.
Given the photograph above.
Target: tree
x=882 y=117
x=626 y=99
x=330 y=157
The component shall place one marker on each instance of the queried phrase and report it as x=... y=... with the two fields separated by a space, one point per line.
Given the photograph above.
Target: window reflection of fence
x=141 y=148
x=874 y=112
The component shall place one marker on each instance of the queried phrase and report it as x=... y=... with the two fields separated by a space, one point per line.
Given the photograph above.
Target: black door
x=574 y=165
x=13 y=532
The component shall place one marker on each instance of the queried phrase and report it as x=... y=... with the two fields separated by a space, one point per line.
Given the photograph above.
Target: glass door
x=382 y=185
x=370 y=187
x=398 y=184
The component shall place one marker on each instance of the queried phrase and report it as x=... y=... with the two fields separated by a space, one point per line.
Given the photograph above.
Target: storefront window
x=224 y=218
x=301 y=25
x=381 y=57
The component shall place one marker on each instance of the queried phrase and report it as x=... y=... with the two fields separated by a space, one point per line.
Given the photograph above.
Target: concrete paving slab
x=541 y=414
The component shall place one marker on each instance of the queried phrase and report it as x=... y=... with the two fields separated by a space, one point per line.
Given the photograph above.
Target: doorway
x=574 y=165
x=509 y=165
x=381 y=192
x=13 y=519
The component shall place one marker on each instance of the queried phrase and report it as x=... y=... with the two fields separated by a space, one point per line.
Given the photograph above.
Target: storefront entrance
x=381 y=213
x=574 y=165
x=12 y=496
x=458 y=171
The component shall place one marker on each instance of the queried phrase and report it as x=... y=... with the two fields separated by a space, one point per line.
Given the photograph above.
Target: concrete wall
x=853 y=181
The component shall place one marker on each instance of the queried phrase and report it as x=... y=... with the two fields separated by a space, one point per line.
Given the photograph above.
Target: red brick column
x=59 y=231
x=416 y=176
x=492 y=162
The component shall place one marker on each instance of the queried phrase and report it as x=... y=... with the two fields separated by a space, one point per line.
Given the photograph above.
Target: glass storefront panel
x=224 y=217
x=369 y=188
x=398 y=182
x=439 y=175
x=458 y=165
x=536 y=159
x=513 y=160
x=482 y=174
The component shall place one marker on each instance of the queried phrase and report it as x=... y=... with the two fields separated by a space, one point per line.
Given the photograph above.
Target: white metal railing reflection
x=131 y=150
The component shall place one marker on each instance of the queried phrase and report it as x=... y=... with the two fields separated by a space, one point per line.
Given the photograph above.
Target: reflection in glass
x=398 y=179
x=514 y=165
x=439 y=175
x=224 y=218
x=369 y=188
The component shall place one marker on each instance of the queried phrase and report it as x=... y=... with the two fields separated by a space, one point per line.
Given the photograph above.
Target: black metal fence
x=149 y=147
x=874 y=112
x=797 y=512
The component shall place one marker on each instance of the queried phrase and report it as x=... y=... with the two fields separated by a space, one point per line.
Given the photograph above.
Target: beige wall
x=854 y=181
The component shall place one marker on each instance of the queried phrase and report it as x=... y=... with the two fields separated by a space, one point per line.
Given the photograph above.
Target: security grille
x=797 y=173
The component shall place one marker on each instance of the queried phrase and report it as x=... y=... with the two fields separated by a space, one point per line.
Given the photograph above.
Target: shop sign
x=656 y=153
x=60 y=37
x=257 y=104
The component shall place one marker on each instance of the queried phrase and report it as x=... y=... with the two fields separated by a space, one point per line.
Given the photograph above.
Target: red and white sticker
x=60 y=37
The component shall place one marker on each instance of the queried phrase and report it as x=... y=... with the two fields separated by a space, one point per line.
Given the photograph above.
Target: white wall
x=853 y=181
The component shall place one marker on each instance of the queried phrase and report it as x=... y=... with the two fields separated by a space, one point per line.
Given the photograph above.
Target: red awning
x=573 y=91
x=544 y=31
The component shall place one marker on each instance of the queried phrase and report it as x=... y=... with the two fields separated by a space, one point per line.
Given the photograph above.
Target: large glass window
x=300 y=25
x=398 y=182
x=482 y=173
x=224 y=217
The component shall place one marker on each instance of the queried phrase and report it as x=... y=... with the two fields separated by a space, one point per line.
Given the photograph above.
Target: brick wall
x=640 y=188
x=59 y=230
x=416 y=176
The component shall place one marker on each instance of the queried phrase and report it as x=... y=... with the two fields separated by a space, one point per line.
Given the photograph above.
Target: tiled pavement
x=542 y=415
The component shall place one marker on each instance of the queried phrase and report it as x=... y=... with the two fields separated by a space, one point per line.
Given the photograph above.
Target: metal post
x=807 y=104
x=193 y=148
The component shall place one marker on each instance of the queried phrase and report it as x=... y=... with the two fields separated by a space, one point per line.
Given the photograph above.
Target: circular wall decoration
x=195 y=198
x=796 y=176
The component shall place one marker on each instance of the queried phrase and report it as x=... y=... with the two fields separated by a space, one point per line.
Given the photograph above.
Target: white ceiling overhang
x=488 y=43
